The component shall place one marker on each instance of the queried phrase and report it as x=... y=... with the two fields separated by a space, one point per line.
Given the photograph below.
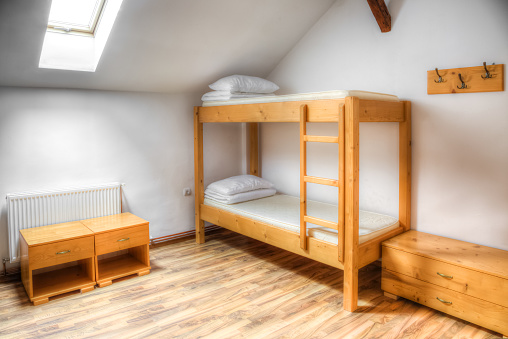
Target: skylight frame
x=70 y=28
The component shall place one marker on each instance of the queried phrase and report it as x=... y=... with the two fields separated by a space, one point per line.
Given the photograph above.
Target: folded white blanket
x=240 y=197
x=227 y=95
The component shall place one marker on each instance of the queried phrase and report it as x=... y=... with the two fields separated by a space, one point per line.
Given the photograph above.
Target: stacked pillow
x=239 y=86
x=239 y=188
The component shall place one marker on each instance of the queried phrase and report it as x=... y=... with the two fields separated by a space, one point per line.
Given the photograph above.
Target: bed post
x=198 y=176
x=253 y=144
x=303 y=174
x=405 y=168
x=342 y=183
x=352 y=132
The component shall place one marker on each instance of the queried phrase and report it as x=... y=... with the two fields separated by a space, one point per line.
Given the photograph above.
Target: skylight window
x=79 y=16
x=86 y=25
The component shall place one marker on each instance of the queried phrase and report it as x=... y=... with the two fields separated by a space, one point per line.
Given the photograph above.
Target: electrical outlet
x=187 y=191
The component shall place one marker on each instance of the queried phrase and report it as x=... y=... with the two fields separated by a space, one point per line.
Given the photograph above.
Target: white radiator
x=32 y=209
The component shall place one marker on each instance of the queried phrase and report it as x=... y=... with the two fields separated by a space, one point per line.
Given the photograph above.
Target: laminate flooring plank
x=347 y=325
x=400 y=316
x=305 y=327
x=229 y=287
x=474 y=332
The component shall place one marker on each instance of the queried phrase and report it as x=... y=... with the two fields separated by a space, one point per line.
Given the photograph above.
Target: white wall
x=460 y=142
x=51 y=138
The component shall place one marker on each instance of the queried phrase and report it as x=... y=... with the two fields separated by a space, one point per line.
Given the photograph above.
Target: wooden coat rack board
x=486 y=78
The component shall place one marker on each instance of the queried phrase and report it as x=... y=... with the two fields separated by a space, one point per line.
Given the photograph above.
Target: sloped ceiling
x=170 y=46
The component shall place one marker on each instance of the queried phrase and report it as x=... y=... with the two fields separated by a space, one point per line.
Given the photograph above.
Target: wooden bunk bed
x=348 y=255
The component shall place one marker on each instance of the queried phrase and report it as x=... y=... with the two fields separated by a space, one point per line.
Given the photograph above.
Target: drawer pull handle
x=63 y=252
x=444 y=301
x=124 y=239
x=445 y=276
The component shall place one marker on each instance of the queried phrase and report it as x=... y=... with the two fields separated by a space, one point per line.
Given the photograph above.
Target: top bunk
x=321 y=107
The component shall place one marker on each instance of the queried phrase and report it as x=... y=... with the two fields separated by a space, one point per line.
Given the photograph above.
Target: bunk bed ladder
x=304 y=179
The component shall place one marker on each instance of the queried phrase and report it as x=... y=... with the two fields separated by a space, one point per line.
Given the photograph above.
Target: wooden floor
x=229 y=287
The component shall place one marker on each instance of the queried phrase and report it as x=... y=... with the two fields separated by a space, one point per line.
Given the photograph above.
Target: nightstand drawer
x=456 y=278
x=475 y=310
x=60 y=252
x=121 y=239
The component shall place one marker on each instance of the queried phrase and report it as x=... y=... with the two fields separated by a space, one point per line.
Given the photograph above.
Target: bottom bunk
x=275 y=220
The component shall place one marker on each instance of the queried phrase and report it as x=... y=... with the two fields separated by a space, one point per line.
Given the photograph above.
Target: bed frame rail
x=316 y=249
x=317 y=111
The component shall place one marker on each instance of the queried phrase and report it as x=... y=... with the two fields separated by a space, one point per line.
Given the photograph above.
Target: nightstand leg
x=40 y=301
x=392 y=296
x=104 y=283
x=143 y=273
x=87 y=289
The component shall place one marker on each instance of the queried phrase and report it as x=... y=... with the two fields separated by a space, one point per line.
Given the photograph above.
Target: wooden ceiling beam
x=380 y=11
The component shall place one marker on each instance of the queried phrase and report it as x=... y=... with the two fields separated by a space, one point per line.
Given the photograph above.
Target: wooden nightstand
x=462 y=279
x=115 y=233
x=46 y=246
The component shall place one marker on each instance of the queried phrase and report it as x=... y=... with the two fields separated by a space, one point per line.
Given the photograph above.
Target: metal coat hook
x=487 y=73
x=440 y=77
x=463 y=83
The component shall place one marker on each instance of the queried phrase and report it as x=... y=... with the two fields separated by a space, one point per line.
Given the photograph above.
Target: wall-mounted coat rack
x=486 y=78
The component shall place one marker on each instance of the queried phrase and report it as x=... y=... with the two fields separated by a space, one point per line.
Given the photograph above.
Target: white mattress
x=305 y=96
x=284 y=211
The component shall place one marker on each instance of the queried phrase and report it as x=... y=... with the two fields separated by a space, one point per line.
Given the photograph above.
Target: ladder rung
x=321 y=222
x=321 y=181
x=318 y=138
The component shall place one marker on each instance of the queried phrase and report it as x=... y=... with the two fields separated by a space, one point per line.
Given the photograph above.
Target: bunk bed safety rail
x=304 y=179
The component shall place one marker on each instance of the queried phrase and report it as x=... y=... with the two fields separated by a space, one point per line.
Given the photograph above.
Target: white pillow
x=239 y=184
x=244 y=83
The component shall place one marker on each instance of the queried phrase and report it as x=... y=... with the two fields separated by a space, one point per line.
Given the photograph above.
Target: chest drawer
x=60 y=252
x=121 y=239
x=456 y=278
x=475 y=310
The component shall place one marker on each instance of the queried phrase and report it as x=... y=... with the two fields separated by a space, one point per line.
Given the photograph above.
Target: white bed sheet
x=284 y=211
x=305 y=96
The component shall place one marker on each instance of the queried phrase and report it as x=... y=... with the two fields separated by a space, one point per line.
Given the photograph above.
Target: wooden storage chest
x=465 y=280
